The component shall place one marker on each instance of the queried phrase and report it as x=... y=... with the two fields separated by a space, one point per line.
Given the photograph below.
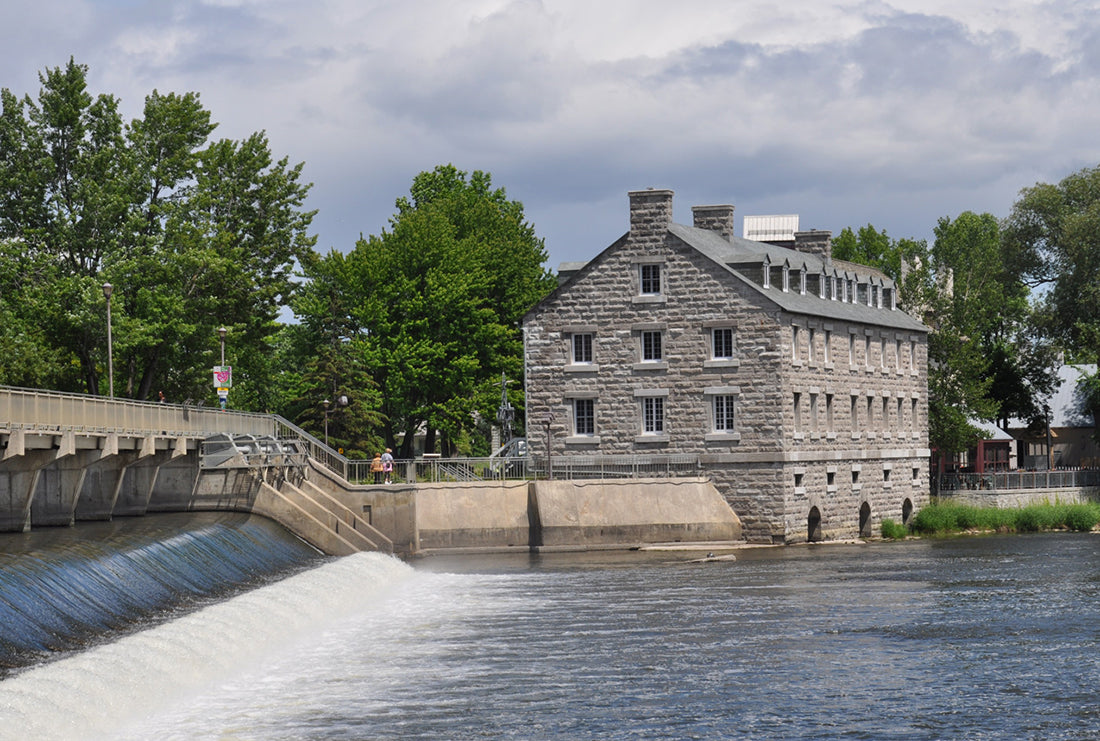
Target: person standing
x=376 y=468
x=387 y=465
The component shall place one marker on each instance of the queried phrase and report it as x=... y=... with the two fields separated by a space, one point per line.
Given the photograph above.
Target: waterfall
x=94 y=693
x=64 y=590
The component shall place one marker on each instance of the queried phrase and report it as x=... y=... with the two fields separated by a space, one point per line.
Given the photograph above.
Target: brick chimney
x=718 y=219
x=650 y=210
x=815 y=242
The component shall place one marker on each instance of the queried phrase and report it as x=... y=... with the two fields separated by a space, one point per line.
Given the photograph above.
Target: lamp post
x=107 y=290
x=325 y=404
x=547 y=421
x=222 y=331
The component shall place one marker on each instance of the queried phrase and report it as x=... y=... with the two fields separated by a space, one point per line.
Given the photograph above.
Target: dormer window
x=802 y=281
x=786 y=279
x=822 y=284
x=766 y=270
x=650 y=280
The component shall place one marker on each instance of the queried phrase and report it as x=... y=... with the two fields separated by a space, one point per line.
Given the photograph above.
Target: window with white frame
x=724 y=407
x=721 y=343
x=650 y=279
x=653 y=415
x=882 y=353
x=795 y=350
x=582 y=348
x=867 y=351
x=584 y=417
x=651 y=346
x=811 y=349
x=828 y=341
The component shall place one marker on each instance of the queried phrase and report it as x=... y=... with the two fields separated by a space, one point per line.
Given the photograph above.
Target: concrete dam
x=66 y=458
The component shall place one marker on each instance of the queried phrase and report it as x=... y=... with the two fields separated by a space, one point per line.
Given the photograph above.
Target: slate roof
x=739 y=252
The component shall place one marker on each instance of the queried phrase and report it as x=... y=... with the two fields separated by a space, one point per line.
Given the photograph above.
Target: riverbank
x=945 y=517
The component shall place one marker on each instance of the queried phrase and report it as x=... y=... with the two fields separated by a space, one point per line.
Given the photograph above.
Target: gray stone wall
x=777 y=464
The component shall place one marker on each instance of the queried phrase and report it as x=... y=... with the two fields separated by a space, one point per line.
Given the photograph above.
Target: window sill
x=722 y=437
x=651 y=439
x=647 y=299
x=800 y=436
x=722 y=363
x=582 y=440
x=651 y=365
x=582 y=368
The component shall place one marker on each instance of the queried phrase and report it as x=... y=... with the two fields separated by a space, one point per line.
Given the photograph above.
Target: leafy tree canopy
x=430 y=308
x=193 y=234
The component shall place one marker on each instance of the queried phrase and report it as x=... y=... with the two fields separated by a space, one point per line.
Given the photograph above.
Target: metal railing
x=1018 y=480
x=662 y=465
x=34 y=410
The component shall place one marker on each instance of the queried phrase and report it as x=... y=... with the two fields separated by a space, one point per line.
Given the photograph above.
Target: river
x=978 y=637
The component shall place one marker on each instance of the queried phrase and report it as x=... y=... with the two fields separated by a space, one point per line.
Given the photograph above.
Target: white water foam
x=92 y=695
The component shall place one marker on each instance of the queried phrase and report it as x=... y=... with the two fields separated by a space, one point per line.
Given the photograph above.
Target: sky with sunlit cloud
x=846 y=113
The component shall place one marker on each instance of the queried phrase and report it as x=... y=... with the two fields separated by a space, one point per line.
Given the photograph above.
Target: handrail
x=999 y=481
x=318 y=451
x=35 y=410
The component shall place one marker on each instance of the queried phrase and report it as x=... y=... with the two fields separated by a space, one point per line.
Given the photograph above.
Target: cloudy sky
x=846 y=113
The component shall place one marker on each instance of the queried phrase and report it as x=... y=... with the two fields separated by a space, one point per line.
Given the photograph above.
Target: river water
x=980 y=637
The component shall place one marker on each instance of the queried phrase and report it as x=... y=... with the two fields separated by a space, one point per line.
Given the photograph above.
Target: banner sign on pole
x=223 y=376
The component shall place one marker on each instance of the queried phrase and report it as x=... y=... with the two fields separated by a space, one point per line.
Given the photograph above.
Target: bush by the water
x=893 y=530
x=949 y=517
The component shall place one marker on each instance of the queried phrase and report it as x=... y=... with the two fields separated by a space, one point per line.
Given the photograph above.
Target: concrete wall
x=608 y=512
x=1024 y=498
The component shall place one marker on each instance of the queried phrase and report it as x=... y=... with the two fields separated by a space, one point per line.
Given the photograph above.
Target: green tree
x=437 y=300
x=1053 y=239
x=896 y=258
x=986 y=361
x=193 y=234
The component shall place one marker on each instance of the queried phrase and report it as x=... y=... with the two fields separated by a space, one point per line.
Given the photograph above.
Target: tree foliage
x=193 y=234
x=433 y=304
x=1053 y=237
x=985 y=360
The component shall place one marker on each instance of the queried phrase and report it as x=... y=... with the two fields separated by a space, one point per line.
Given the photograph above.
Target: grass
x=946 y=517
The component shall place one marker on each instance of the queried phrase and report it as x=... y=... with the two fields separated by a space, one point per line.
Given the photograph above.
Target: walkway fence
x=1018 y=480
x=33 y=410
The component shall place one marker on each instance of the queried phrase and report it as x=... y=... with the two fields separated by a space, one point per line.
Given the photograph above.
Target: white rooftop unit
x=771 y=228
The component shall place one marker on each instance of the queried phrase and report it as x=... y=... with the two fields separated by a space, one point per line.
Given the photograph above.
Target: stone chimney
x=815 y=242
x=718 y=219
x=650 y=210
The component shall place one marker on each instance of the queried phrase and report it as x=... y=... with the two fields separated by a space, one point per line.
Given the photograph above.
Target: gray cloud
x=846 y=113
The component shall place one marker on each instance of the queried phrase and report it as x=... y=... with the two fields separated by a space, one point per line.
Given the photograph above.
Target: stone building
x=792 y=378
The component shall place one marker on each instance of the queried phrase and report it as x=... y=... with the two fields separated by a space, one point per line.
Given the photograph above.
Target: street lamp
x=107 y=290
x=547 y=421
x=221 y=334
x=325 y=404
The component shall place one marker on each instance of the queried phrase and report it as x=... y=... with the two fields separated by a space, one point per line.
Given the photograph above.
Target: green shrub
x=1082 y=517
x=936 y=518
x=893 y=530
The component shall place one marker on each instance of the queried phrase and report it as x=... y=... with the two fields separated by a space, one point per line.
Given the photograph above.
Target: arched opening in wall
x=813 y=525
x=906 y=511
x=865 y=520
